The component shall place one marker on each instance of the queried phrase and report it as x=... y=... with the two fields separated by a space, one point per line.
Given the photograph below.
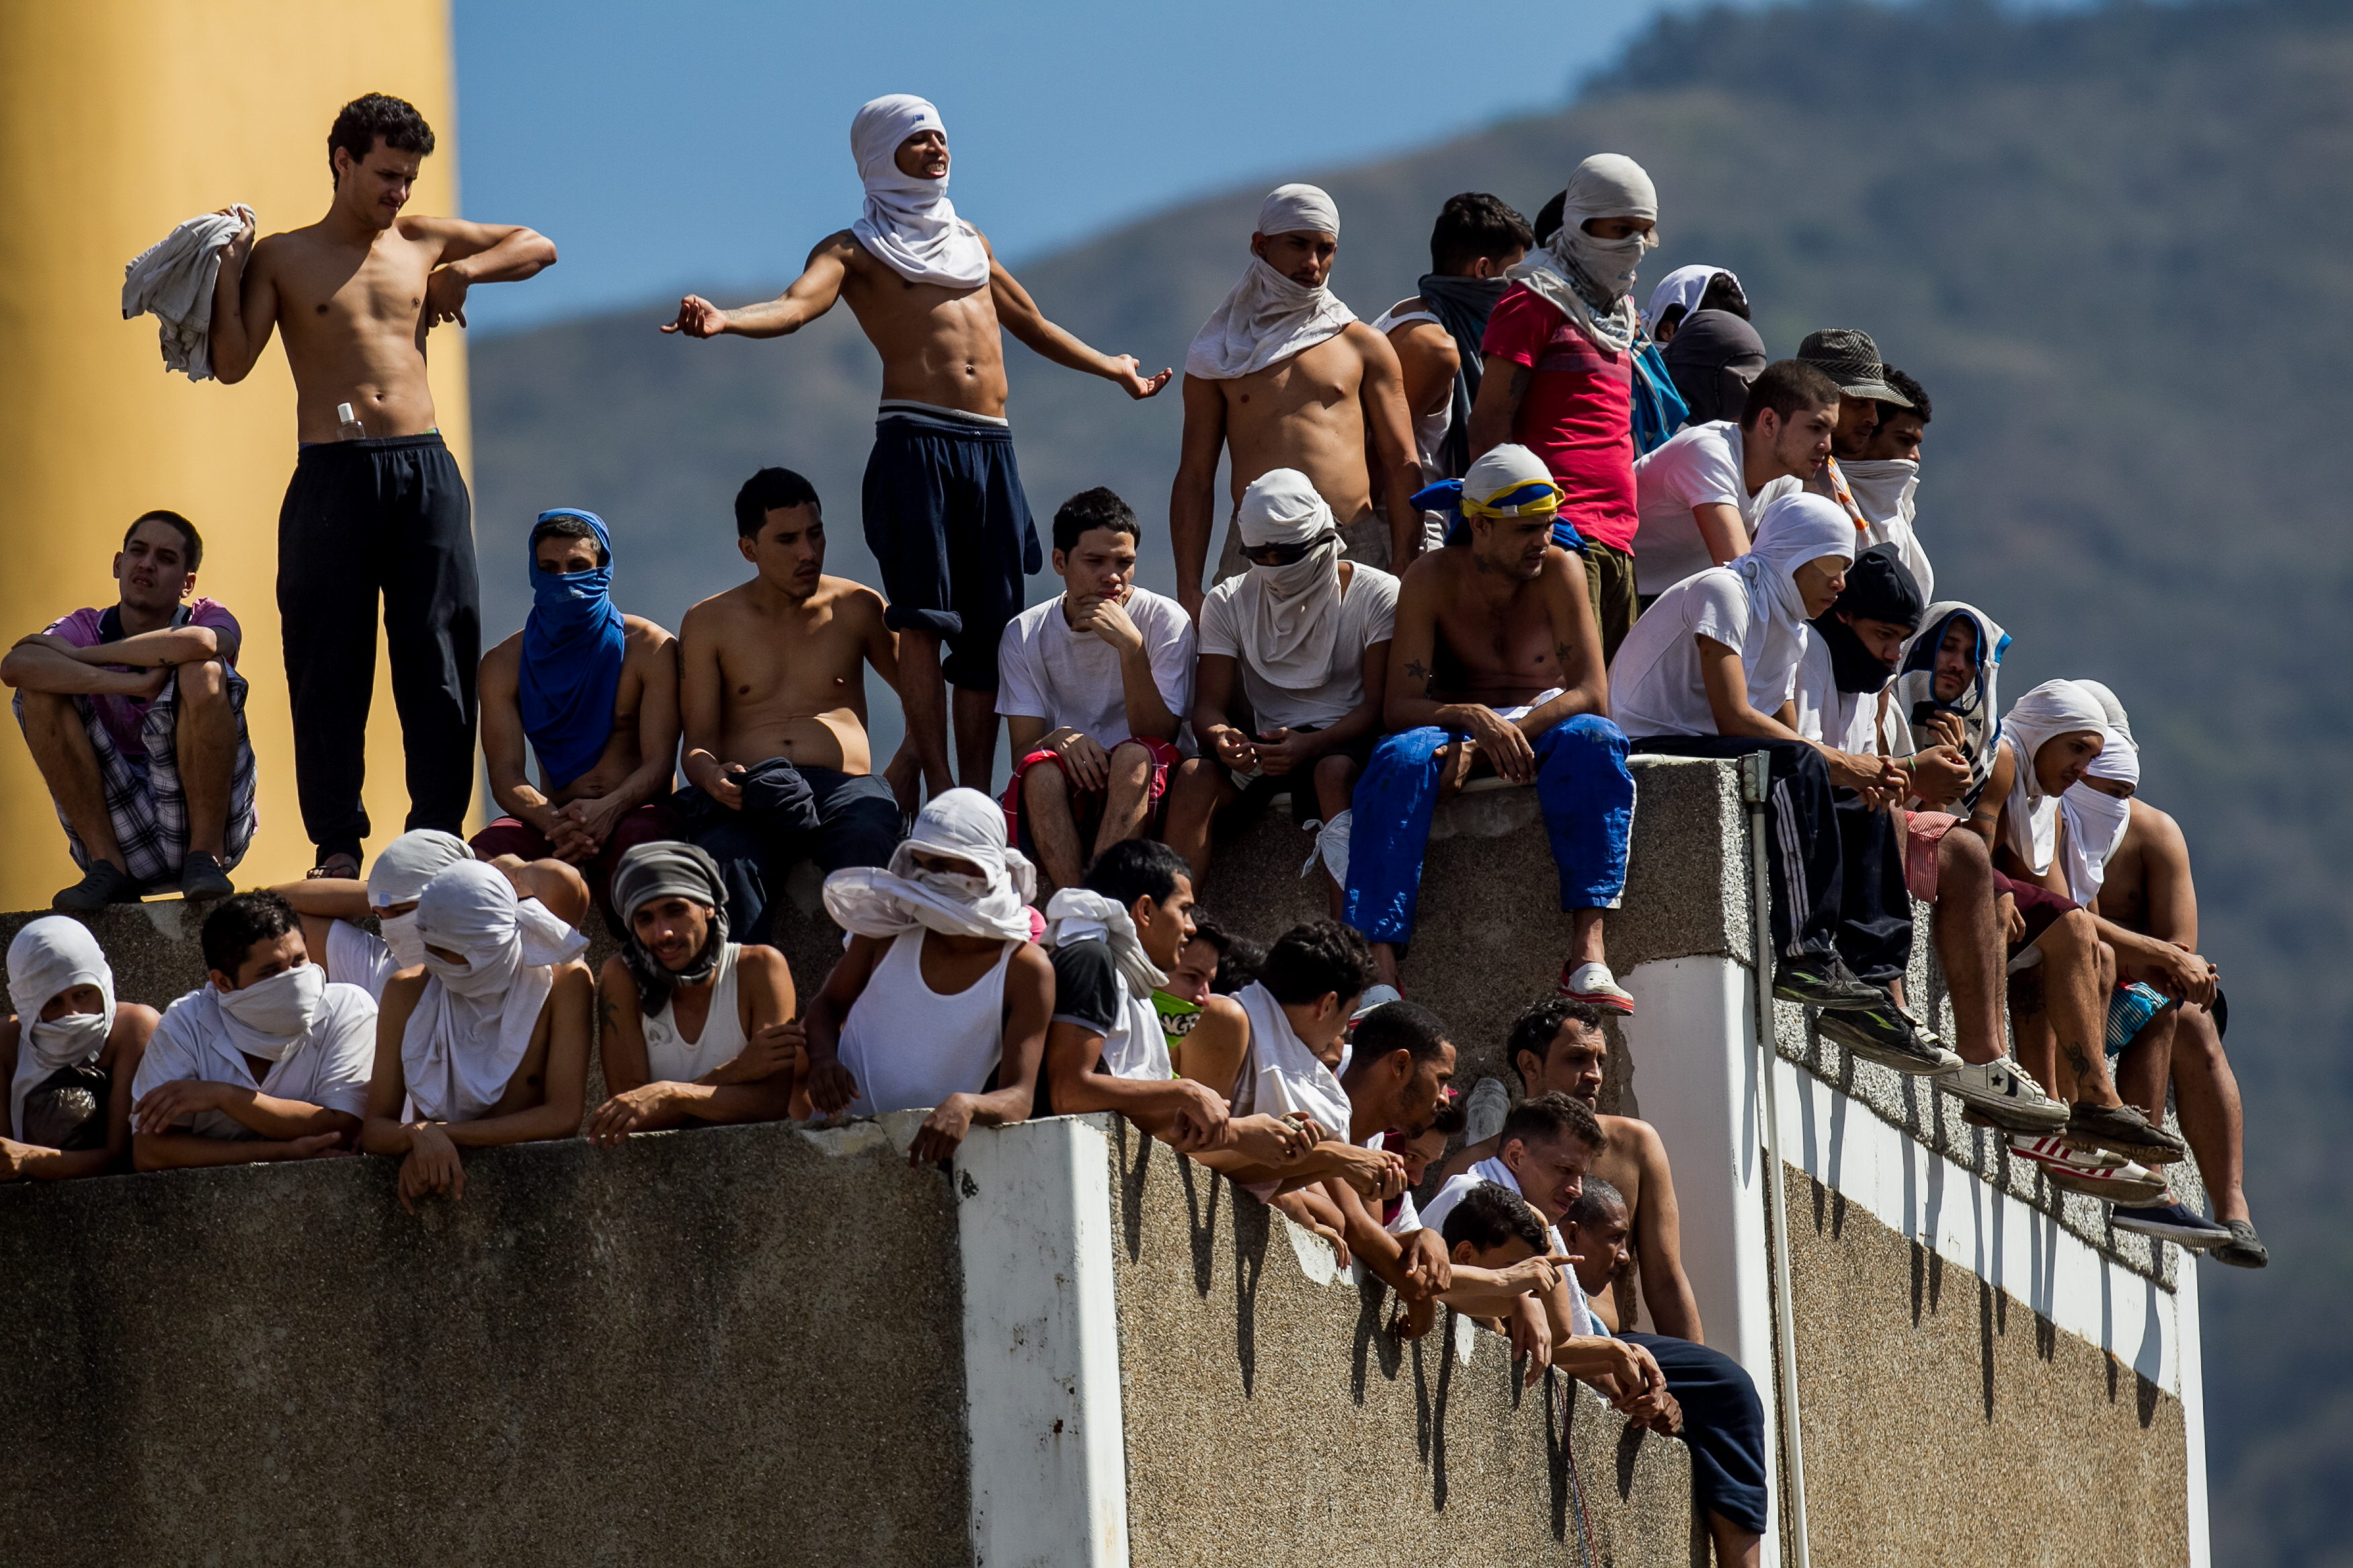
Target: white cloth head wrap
x=1791 y=531
x=1080 y=914
x=1503 y=470
x=2096 y=821
x=1592 y=280
x=474 y=1022
x=1267 y=317
x=404 y=865
x=1684 y=286
x=961 y=823
x=2054 y=708
x=49 y=957
x=1290 y=615
x=909 y=223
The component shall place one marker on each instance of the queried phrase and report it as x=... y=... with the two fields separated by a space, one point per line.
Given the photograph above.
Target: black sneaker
x=104 y=883
x=2245 y=1249
x=1884 y=1035
x=2123 y=1129
x=1825 y=983
x=202 y=879
x=2171 y=1222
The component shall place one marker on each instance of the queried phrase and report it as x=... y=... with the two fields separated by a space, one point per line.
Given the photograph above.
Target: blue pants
x=1582 y=787
x=1723 y=1425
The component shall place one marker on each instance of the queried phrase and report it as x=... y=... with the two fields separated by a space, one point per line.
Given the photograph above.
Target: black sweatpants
x=1837 y=868
x=834 y=819
x=362 y=517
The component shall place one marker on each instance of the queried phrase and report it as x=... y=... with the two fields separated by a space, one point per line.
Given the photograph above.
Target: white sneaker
x=1593 y=985
x=1484 y=1113
x=2108 y=1177
x=2006 y=1095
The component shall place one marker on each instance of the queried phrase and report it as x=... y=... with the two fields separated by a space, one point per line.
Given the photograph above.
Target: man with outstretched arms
x=1282 y=375
x=377 y=503
x=945 y=509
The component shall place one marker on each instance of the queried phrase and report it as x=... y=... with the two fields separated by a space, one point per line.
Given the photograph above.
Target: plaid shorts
x=2130 y=1008
x=144 y=798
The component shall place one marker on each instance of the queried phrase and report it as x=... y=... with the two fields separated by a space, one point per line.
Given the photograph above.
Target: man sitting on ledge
x=595 y=692
x=773 y=688
x=135 y=715
x=1114 y=942
x=1495 y=667
x=695 y=1028
x=268 y=1061
x=67 y=1055
x=1724 y=1421
x=488 y=1043
x=942 y=998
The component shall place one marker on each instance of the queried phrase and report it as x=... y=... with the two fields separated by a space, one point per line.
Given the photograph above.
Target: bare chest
x=333 y=290
x=1485 y=646
x=1320 y=384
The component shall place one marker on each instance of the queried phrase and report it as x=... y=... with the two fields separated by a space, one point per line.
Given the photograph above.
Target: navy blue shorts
x=951 y=529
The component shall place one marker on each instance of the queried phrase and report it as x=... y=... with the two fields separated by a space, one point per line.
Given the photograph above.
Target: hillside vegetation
x=2116 y=246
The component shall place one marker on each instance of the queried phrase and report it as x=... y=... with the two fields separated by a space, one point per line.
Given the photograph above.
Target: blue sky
x=704 y=144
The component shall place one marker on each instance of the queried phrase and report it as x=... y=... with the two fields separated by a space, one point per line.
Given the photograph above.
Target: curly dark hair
x=378 y=114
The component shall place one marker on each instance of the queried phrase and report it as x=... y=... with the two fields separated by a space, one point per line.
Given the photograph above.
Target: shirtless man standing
x=1558 y=1045
x=774 y=695
x=377 y=503
x=1282 y=375
x=595 y=692
x=946 y=514
x=1495 y=667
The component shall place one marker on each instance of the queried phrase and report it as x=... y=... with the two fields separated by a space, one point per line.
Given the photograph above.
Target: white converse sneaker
x=2108 y=1177
x=1593 y=985
x=2006 y=1095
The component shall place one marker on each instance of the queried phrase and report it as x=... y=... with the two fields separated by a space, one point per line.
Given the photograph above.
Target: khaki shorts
x=1609 y=585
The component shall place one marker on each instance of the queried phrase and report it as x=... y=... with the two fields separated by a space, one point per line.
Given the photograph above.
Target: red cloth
x=512 y=835
x=2042 y=908
x=1086 y=804
x=123 y=715
x=1923 y=831
x=1577 y=415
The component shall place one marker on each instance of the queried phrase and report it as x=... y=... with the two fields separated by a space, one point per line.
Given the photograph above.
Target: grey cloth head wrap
x=667 y=869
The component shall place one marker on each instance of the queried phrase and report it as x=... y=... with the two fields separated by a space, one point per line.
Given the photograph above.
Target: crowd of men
x=1521 y=525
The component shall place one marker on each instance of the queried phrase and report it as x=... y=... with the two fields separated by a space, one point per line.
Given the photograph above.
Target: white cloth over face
x=1684 y=286
x=2096 y=821
x=398 y=877
x=1267 y=317
x=1290 y=615
x=473 y=1023
x=2054 y=708
x=49 y=957
x=1279 y=1074
x=1884 y=488
x=1790 y=531
x=1590 y=280
x=327 y=1065
x=986 y=901
x=909 y=222
x=174 y=279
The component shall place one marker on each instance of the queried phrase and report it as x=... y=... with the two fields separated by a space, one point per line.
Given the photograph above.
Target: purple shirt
x=123 y=715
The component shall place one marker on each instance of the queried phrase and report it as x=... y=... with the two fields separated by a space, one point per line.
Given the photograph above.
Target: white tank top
x=1429 y=430
x=670 y=1057
x=909 y=1046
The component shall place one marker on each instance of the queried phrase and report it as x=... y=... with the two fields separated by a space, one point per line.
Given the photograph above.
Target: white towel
x=173 y=278
x=1267 y=317
x=909 y=223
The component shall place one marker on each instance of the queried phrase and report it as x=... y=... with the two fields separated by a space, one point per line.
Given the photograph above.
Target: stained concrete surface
x=727 y=1345
x=1945 y=1424
x=1271 y=1421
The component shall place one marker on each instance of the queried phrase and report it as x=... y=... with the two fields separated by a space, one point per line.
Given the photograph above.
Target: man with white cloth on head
x=331 y=907
x=1287 y=696
x=1113 y=943
x=1283 y=375
x=2059 y=1010
x=1711 y=671
x=266 y=1061
x=67 y=1055
x=942 y=998
x=945 y=515
x=488 y=1043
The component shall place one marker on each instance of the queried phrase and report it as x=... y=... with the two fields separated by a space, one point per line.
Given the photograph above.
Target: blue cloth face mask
x=572 y=651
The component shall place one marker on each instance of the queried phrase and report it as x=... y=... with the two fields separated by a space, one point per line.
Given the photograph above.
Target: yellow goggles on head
x=1535 y=498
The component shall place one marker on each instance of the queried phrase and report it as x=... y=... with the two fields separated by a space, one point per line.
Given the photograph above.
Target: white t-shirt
x=1699 y=465
x=358 y=957
x=1581 y=1320
x=1368 y=616
x=1844 y=720
x=330 y=1069
x=1045 y=670
x=1655 y=686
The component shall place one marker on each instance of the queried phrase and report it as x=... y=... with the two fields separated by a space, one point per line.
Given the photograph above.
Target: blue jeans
x=1582 y=787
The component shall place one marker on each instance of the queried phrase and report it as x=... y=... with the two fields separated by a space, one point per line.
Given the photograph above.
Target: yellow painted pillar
x=118 y=118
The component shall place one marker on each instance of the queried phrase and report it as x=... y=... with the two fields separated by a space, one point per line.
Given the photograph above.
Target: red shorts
x=1086 y=804
x=1923 y=832
x=2042 y=908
